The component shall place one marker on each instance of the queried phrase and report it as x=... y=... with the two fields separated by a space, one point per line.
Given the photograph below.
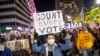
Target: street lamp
x=97 y=2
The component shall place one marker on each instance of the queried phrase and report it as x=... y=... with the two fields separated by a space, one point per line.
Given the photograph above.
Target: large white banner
x=48 y=22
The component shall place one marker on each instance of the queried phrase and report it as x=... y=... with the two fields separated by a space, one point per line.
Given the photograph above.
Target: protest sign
x=24 y=44
x=73 y=25
x=10 y=44
x=48 y=22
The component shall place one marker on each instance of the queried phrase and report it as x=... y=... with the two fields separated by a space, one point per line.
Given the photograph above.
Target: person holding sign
x=51 y=48
x=4 y=51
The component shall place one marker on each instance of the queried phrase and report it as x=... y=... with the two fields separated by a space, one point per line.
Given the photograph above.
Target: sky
x=47 y=5
x=88 y=3
x=44 y=5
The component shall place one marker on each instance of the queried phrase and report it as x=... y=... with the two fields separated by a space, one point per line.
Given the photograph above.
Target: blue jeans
x=85 y=52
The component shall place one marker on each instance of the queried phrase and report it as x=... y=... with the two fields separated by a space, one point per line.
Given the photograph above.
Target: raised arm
x=36 y=48
x=67 y=45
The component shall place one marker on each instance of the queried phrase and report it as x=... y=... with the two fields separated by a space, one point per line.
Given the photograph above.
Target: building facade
x=70 y=8
x=14 y=14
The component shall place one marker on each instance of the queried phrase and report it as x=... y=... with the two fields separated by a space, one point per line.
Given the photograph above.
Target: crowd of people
x=80 y=41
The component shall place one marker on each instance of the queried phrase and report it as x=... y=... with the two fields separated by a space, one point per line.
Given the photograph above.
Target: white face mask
x=86 y=31
x=1 y=47
x=69 y=36
x=51 y=41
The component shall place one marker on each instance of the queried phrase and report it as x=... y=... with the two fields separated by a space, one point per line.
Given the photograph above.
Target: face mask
x=1 y=47
x=69 y=36
x=51 y=41
x=86 y=31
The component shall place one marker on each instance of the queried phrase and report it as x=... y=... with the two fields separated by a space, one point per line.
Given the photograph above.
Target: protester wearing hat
x=51 y=48
x=4 y=51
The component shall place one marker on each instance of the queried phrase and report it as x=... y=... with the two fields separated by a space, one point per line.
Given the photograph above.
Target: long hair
x=2 y=39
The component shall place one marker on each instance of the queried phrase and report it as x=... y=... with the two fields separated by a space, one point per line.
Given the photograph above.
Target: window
x=11 y=24
x=73 y=2
x=7 y=16
x=23 y=8
x=22 y=19
x=18 y=24
x=61 y=3
x=6 y=9
x=61 y=0
x=1 y=24
x=70 y=5
x=65 y=5
x=23 y=14
x=8 y=24
x=7 y=2
x=75 y=6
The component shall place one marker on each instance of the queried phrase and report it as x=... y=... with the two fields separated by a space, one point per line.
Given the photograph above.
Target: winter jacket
x=57 y=48
x=6 y=52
